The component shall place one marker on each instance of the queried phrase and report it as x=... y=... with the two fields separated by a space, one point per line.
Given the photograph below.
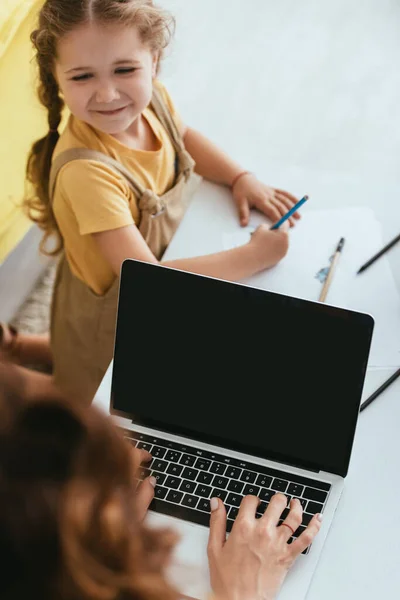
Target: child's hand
x=249 y=192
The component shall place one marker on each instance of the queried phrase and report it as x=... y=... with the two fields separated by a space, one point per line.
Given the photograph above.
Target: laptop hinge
x=283 y=462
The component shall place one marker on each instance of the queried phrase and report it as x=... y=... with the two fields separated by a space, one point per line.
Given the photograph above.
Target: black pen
x=378 y=254
x=380 y=389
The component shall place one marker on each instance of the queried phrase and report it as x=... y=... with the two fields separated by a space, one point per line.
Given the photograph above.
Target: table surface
x=361 y=556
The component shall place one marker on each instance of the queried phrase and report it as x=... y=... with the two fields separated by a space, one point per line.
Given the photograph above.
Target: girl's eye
x=125 y=70
x=83 y=77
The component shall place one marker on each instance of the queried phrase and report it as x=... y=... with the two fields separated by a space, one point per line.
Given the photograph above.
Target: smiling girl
x=116 y=182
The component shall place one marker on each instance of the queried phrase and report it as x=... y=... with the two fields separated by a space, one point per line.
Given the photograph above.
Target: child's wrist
x=237 y=177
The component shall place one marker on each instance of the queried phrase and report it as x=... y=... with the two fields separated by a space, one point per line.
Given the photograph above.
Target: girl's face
x=106 y=75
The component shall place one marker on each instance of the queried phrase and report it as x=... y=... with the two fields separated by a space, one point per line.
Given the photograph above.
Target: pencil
x=290 y=212
x=378 y=254
x=380 y=389
x=325 y=287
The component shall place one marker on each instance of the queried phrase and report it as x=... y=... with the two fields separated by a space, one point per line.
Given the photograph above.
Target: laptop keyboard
x=188 y=477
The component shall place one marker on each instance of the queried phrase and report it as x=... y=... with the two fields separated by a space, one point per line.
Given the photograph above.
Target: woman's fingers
x=217 y=535
x=275 y=508
x=307 y=537
x=293 y=520
x=144 y=496
x=248 y=508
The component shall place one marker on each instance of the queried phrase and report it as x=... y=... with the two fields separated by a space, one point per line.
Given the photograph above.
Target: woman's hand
x=145 y=493
x=253 y=563
x=249 y=192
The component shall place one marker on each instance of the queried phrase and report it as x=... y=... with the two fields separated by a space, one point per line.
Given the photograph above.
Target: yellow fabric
x=22 y=120
x=91 y=197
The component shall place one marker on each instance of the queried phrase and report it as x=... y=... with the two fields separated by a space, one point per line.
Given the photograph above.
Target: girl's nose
x=106 y=93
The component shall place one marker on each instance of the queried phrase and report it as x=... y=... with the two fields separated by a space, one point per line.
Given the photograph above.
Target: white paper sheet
x=312 y=243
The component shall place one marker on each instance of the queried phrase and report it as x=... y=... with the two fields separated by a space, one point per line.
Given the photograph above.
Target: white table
x=361 y=556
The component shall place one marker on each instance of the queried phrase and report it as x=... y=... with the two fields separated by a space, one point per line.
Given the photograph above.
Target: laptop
x=235 y=390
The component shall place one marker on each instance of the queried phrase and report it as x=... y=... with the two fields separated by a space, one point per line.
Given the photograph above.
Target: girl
x=71 y=522
x=115 y=184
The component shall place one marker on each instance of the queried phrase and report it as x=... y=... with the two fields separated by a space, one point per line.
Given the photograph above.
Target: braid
x=38 y=206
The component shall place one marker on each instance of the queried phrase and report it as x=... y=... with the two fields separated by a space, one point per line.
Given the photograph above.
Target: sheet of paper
x=312 y=244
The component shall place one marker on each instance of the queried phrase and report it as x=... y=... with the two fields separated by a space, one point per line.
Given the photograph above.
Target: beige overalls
x=82 y=322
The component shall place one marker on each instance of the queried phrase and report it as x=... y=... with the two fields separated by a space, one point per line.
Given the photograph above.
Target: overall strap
x=87 y=154
x=164 y=116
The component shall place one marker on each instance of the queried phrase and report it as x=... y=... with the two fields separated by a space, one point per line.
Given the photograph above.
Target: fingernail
x=153 y=481
x=320 y=517
x=214 y=504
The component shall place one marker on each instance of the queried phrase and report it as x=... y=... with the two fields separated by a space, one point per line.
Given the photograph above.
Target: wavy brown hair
x=56 y=19
x=68 y=527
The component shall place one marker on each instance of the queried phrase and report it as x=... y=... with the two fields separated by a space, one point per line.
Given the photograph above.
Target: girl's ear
x=154 y=66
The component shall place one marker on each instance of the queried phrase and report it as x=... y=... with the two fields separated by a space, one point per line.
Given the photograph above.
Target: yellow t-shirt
x=90 y=197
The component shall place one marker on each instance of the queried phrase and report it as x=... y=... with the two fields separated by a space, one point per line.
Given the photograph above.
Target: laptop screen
x=242 y=368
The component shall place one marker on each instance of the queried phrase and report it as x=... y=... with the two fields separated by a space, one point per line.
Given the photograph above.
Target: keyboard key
x=144 y=446
x=159 y=465
x=160 y=477
x=264 y=480
x=303 y=502
x=219 y=494
x=158 y=452
x=295 y=489
x=229 y=525
x=204 y=505
x=187 y=460
x=203 y=490
x=285 y=514
x=233 y=513
x=173 y=456
x=233 y=472
x=220 y=482
x=314 y=507
x=234 y=499
x=203 y=464
x=266 y=495
x=306 y=518
x=173 y=482
x=251 y=490
x=235 y=486
x=279 y=485
x=299 y=531
x=174 y=469
x=188 y=486
x=160 y=492
x=317 y=495
x=248 y=476
x=190 y=473
x=174 y=496
x=218 y=468
x=190 y=501
x=262 y=507
x=204 y=477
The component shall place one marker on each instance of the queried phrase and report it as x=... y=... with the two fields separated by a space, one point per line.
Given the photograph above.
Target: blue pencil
x=290 y=213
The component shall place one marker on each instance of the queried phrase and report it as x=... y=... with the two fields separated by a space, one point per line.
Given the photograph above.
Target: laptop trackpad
x=189 y=570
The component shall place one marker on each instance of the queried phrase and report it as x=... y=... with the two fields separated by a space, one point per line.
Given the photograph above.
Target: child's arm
x=213 y=164
x=264 y=250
